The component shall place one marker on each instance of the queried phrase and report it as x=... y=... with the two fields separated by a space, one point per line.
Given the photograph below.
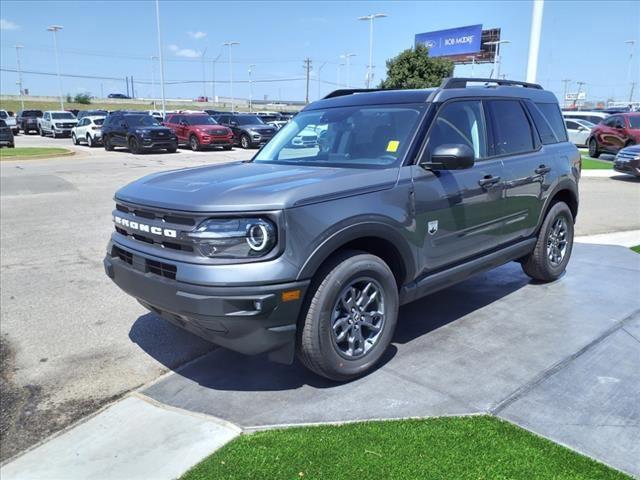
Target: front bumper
x=632 y=167
x=154 y=144
x=250 y=319
x=210 y=141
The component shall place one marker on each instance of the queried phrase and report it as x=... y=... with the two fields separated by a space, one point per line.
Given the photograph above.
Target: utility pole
x=338 y=70
x=578 y=93
x=230 y=45
x=55 y=29
x=250 y=89
x=133 y=92
x=164 y=105
x=18 y=47
x=633 y=85
x=307 y=66
x=566 y=82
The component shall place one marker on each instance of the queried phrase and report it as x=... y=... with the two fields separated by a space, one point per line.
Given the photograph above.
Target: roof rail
x=350 y=91
x=454 y=82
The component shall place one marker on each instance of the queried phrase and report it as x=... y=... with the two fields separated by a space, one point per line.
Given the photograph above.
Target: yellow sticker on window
x=393 y=145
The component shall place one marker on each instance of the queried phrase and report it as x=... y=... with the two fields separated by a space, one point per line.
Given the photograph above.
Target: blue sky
x=581 y=41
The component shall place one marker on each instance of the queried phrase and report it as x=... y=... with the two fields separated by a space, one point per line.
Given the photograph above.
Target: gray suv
x=313 y=250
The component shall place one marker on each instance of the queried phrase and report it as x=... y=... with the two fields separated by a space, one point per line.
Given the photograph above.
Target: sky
x=581 y=41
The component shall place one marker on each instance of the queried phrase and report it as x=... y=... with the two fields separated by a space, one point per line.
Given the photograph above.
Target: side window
x=618 y=122
x=460 y=123
x=609 y=122
x=553 y=115
x=545 y=130
x=572 y=125
x=511 y=130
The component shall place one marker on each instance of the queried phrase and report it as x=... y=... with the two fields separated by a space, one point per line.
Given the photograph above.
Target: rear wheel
x=245 y=142
x=194 y=144
x=40 y=131
x=134 y=145
x=554 y=245
x=594 y=151
x=350 y=316
x=90 y=142
x=108 y=146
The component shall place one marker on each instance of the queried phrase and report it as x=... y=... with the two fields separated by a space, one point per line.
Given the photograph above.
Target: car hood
x=248 y=186
x=631 y=149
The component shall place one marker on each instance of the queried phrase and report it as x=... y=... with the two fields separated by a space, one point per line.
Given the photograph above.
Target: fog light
x=257 y=305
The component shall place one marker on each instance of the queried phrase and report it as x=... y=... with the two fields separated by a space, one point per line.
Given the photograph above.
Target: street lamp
x=496 y=58
x=231 y=44
x=18 y=47
x=632 y=44
x=153 y=80
x=164 y=105
x=54 y=29
x=347 y=57
x=213 y=75
x=250 y=89
x=204 y=75
x=319 y=72
x=370 y=19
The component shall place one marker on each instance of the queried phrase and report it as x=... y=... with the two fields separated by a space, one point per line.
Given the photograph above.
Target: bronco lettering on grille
x=142 y=227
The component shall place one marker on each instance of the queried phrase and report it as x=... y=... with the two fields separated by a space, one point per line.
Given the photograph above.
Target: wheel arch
x=566 y=192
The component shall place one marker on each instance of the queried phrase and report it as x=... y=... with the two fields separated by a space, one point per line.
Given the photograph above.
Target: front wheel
x=74 y=139
x=245 y=142
x=40 y=131
x=90 y=142
x=553 y=247
x=350 y=316
x=134 y=146
x=594 y=151
x=194 y=144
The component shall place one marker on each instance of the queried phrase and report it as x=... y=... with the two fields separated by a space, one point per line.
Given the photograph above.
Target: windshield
x=32 y=113
x=3 y=114
x=366 y=136
x=634 y=122
x=200 y=120
x=2 y=123
x=247 y=119
x=63 y=116
x=142 y=121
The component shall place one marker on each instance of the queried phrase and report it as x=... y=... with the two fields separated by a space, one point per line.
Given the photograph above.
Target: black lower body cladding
x=248 y=319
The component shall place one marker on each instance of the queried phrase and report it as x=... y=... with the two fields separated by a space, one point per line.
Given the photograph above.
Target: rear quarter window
x=553 y=116
x=511 y=129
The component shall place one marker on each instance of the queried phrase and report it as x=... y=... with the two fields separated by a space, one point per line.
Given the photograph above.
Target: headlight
x=235 y=237
x=142 y=132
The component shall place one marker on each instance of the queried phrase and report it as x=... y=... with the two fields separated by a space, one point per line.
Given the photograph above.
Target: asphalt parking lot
x=72 y=341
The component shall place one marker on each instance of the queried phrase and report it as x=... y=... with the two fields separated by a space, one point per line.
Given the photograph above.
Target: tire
x=90 y=142
x=107 y=144
x=172 y=149
x=40 y=131
x=320 y=348
x=194 y=144
x=594 y=151
x=538 y=264
x=227 y=147
x=12 y=145
x=74 y=139
x=134 y=146
x=245 y=141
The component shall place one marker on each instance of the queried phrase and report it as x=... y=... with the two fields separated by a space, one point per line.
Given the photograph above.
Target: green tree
x=83 y=98
x=414 y=68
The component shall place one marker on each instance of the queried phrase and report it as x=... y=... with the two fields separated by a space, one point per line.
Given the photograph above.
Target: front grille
x=217 y=133
x=160 y=268
x=161 y=135
x=68 y=125
x=122 y=255
x=151 y=215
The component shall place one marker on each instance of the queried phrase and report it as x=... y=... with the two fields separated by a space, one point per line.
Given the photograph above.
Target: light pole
x=632 y=44
x=534 y=40
x=54 y=29
x=370 y=19
x=230 y=45
x=339 y=79
x=250 y=89
x=496 y=58
x=153 y=80
x=566 y=82
x=347 y=57
x=204 y=75
x=164 y=104
x=18 y=47
x=213 y=75
x=319 y=72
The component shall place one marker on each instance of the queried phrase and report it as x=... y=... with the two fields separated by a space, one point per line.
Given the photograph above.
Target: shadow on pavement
x=229 y=371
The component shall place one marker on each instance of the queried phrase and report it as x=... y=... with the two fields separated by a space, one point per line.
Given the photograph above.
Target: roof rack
x=454 y=82
x=350 y=91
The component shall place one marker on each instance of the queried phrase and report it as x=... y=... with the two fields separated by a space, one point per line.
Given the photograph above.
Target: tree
x=83 y=98
x=414 y=68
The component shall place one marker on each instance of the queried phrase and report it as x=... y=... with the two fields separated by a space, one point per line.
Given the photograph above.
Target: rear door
x=607 y=133
x=577 y=136
x=458 y=212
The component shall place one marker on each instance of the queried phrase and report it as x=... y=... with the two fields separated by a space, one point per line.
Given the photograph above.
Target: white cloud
x=184 y=52
x=8 y=25
x=197 y=35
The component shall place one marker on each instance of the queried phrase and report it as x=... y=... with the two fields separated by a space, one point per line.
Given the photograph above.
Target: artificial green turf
x=477 y=447
x=636 y=248
x=25 y=152
x=589 y=163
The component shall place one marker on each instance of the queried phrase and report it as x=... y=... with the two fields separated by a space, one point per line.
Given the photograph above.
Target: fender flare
x=356 y=231
x=563 y=184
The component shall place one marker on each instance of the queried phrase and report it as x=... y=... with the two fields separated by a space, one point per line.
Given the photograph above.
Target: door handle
x=542 y=169
x=488 y=181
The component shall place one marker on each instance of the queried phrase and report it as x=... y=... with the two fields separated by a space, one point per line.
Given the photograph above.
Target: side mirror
x=450 y=157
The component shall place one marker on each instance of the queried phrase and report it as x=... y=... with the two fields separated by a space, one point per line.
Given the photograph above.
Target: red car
x=199 y=130
x=614 y=133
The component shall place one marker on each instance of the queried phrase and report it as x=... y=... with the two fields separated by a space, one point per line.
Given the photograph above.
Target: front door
x=458 y=213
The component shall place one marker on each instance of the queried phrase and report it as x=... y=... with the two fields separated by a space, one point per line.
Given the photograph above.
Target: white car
x=10 y=121
x=88 y=129
x=56 y=123
x=593 y=117
x=578 y=130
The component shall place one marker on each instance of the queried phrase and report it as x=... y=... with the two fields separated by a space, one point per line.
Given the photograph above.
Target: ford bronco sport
x=313 y=250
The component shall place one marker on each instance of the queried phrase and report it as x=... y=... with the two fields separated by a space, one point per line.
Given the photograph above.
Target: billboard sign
x=452 y=42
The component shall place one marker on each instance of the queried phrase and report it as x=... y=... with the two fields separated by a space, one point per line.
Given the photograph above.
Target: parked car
x=590 y=116
x=6 y=135
x=57 y=123
x=10 y=120
x=249 y=131
x=27 y=120
x=308 y=137
x=199 y=131
x=157 y=114
x=314 y=250
x=118 y=95
x=615 y=132
x=276 y=120
x=138 y=132
x=628 y=161
x=74 y=111
x=91 y=113
x=214 y=112
x=578 y=130
x=88 y=129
